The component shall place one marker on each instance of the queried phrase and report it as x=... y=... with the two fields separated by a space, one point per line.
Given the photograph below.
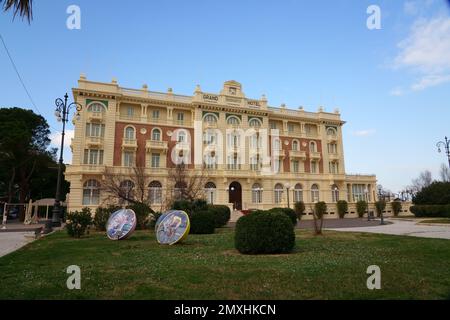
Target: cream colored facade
x=257 y=156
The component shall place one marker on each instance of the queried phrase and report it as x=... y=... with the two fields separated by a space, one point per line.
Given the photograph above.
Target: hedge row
x=432 y=211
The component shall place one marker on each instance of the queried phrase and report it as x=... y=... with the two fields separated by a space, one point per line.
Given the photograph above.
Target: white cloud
x=397 y=92
x=414 y=7
x=426 y=52
x=364 y=133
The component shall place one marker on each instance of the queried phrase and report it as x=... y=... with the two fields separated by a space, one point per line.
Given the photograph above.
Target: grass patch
x=332 y=266
x=440 y=220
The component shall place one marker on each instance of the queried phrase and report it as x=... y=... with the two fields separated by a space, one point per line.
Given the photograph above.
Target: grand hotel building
x=256 y=156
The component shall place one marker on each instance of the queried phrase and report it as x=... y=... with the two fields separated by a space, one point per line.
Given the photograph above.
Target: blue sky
x=392 y=85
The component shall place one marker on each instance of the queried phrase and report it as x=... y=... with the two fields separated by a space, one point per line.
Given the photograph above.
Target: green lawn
x=441 y=220
x=332 y=266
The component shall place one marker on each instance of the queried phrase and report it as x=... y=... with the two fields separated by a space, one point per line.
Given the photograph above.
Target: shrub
x=320 y=208
x=287 y=211
x=190 y=206
x=102 y=215
x=222 y=214
x=361 y=207
x=78 y=222
x=396 y=207
x=432 y=211
x=263 y=232
x=342 y=208
x=143 y=212
x=299 y=208
x=152 y=220
x=202 y=222
x=435 y=193
x=380 y=205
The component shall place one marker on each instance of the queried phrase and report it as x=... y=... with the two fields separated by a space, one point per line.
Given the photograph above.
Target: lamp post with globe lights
x=62 y=115
x=446 y=145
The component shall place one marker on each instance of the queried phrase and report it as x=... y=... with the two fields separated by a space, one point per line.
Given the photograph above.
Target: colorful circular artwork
x=121 y=224
x=172 y=227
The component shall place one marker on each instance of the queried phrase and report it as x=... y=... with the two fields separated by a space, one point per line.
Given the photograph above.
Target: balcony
x=209 y=125
x=279 y=153
x=332 y=138
x=315 y=155
x=94 y=141
x=151 y=145
x=182 y=147
x=130 y=144
x=95 y=116
x=333 y=156
x=297 y=154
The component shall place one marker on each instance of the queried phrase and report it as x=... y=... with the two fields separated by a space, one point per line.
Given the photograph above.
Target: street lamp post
x=366 y=191
x=446 y=145
x=288 y=186
x=62 y=114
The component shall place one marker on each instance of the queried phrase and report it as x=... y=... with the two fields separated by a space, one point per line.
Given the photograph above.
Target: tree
x=424 y=180
x=320 y=208
x=25 y=161
x=436 y=193
x=444 y=173
x=23 y=8
x=187 y=184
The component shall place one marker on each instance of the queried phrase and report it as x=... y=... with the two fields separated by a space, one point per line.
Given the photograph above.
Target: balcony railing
x=94 y=141
x=95 y=116
x=129 y=143
x=297 y=154
x=315 y=155
x=333 y=156
x=155 y=145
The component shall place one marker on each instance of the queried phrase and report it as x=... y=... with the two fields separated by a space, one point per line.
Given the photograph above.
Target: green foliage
x=190 y=206
x=320 y=208
x=143 y=216
x=263 y=232
x=299 y=209
x=102 y=215
x=380 y=206
x=342 y=208
x=153 y=218
x=78 y=222
x=287 y=211
x=432 y=211
x=221 y=213
x=202 y=222
x=435 y=193
x=396 y=207
x=361 y=207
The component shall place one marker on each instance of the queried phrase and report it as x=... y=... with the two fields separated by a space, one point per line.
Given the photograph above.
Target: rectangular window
x=155 y=114
x=334 y=167
x=93 y=157
x=358 y=192
x=273 y=125
x=290 y=127
x=295 y=166
x=95 y=130
x=313 y=167
x=180 y=116
x=130 y=111
x=128 y=159
x=155 y=160
x=332 y=148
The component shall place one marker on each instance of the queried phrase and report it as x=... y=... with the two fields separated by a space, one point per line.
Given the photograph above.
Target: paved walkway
x=11 y=241
x=405 y=228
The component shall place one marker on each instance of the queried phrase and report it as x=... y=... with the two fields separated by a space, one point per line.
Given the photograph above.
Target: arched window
x=278 y=193
x=129 y=133
x=276 y=144
x=331 y=131
x=233 y=121
x=295 y=145
x=298 y=193
x=96 y=107
x=210 y=161
x=91 y=192
x=210 y=119
x=254 y=123
x=334 y=193
x=156 y=135
x=257 y=193
x=179 y=190
x=312 y=146
x=181 y=136
x=315 y=193
x=155 y=192
x=126 y=190
x=210 y=191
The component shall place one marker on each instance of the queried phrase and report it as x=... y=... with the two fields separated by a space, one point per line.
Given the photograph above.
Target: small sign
x=121 y=224
x=172 y=227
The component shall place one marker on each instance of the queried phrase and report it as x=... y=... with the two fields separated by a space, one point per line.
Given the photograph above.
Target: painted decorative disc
x=172 y=227
x=121 y=224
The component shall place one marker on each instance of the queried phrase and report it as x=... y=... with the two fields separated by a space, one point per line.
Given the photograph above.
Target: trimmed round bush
x=102 y=215
x=396 y=207
x=361 y=207
x=142 y=212
x=380 y=206
x=202 y=222
x=222 y=214
x=431 y=211
x=264 y=233
x=78 y=222
x=287 y=211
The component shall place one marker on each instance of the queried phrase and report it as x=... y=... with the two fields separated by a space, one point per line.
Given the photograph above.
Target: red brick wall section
x=141 y=141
